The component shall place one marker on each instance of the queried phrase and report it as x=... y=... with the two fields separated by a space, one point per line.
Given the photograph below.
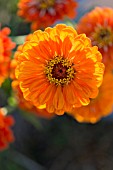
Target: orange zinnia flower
x=43 y=13
x=6 y=135
x=6 y=45
x=59 y=69
x=98 y=26
x=23 y=103
x=99 y=107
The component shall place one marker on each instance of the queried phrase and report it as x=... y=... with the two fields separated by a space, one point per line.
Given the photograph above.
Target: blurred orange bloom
x=6 y=134
x=99 y=107
x=43 y=13
x=13 y=63
x=6 y=45
x=23 y=103
x=59 y=69
x=98 y=26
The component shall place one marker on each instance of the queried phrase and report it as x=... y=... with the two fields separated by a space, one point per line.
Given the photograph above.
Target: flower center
x=59 y=71
x=45 y=4
x=102 y=37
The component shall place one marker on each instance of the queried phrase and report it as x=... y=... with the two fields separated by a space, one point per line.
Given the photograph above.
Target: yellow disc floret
x=59 y=71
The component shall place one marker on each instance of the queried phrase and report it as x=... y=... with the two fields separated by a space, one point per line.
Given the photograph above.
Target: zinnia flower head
x=98 y=26
x=21 y=101
x=6 y=134
x=99 y=107
x=59 y=69
x=6 y=46
x=43 y=13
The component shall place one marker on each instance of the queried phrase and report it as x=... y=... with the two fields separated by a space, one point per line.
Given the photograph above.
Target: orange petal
x=58 y=100
x=47 y=94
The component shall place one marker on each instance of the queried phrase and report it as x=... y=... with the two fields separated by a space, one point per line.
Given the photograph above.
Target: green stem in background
x=33 y=119
x=13 y=160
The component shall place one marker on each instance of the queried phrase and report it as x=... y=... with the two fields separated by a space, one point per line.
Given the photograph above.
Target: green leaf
x=6 y=86
x=12 y=101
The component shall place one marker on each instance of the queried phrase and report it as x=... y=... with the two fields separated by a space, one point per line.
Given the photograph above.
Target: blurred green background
x=8 y=17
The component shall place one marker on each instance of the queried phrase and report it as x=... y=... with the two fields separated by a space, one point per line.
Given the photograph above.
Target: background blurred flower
x=98 y=26
x=43 y=13
x=6 y=134
x=58 y=68
x=99 y=107
x=6 y=46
